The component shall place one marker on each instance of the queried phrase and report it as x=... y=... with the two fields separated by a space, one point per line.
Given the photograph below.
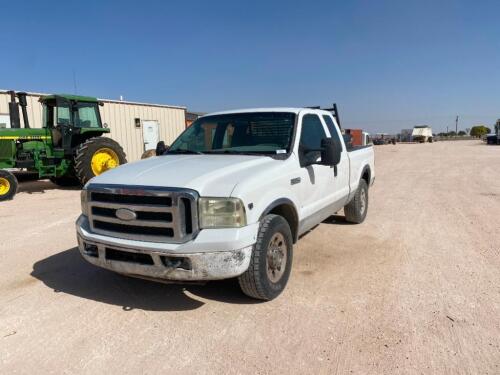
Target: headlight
x=222 y=213
x=84 y=199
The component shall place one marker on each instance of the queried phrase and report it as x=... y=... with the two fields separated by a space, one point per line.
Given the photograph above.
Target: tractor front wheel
x=8 y=185
x=96 y=156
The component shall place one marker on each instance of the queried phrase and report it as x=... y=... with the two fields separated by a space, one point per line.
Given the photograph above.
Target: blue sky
x=388 y=64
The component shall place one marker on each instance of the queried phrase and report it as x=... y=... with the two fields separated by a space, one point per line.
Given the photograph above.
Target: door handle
x=295 y=181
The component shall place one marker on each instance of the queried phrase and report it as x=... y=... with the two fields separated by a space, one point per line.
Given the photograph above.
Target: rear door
x=338 y=190
x=151 y=134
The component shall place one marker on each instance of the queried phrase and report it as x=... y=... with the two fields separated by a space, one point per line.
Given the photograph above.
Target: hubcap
x=103 y=160
x=362 y=198
x=276 y=257
x=4 y=186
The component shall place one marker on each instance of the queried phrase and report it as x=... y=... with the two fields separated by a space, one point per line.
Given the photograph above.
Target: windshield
x=238 y=133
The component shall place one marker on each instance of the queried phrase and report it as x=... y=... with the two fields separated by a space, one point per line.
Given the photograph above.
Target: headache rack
x=333 y=110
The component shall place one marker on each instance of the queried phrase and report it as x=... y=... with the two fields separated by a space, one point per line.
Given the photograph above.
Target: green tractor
x=69 y=149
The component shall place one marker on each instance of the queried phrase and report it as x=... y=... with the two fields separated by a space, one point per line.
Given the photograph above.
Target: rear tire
x=355 y=211
x=96 y=156
x=271 y=260
x=8 y=185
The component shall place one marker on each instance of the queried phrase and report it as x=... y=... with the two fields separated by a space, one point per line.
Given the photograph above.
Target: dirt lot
x=415 y=289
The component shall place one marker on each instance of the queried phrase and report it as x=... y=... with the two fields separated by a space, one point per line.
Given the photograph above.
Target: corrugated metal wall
x=34 y=108
x=120 y=116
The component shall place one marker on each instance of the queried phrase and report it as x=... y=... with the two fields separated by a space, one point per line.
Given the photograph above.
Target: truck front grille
x=151 y=213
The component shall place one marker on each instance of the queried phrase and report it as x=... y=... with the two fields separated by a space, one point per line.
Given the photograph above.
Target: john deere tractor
x=69 y=148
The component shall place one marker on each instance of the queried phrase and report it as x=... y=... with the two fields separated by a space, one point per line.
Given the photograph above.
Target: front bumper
x=207 y=257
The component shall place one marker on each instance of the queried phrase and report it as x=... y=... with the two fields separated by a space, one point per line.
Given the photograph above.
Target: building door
x=4 y=121
x=151 y=134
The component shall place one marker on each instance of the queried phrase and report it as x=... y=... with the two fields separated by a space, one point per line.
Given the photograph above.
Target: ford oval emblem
x=125 y=214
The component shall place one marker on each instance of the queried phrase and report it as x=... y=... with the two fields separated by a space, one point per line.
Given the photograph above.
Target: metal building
x=136 y=126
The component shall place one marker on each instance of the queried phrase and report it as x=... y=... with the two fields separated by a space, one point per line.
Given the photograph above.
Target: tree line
x=476 y=131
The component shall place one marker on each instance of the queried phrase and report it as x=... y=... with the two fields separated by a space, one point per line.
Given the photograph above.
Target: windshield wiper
x=180 y=151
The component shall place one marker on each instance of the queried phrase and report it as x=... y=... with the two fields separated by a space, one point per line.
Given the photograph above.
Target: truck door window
x=332 y=129
x=312 y=132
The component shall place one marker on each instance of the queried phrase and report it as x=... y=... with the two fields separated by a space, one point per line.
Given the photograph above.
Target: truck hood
x=209 y=175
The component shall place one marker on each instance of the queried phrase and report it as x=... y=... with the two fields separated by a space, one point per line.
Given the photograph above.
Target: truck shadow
x=337 y=219
x=67 y=272
x=40 y=186
x=32 y=187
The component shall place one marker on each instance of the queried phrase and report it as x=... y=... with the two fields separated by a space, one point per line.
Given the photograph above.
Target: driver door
x=315 y=179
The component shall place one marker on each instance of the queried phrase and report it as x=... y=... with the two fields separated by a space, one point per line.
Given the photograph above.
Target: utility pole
x=456 y=125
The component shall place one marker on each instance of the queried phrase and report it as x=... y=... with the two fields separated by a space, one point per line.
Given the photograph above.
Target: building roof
x=105 y=100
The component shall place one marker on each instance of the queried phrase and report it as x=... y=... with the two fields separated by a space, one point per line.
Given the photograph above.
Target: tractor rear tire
x=97 y=155
x=8 y=185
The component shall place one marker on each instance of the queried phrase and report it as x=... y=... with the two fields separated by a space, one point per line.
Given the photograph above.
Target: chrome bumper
x=163 y=265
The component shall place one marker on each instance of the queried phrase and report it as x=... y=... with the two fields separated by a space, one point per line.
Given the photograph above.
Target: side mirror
x=161 y=148
x=331 y=152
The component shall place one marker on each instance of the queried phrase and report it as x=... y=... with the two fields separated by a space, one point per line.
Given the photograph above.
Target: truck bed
x=358 y=157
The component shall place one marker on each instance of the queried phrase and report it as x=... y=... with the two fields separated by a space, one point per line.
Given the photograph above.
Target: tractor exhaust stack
x=15 y=121
x=23 y=103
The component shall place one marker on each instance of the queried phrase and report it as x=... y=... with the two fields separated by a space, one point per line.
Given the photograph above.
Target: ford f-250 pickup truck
x=229 y=198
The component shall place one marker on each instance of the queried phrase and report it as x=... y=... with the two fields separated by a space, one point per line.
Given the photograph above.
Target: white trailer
x=422 y=134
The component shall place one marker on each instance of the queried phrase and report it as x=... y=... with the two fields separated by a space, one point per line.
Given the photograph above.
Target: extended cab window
x=238 y=133
x=312 y=132
x=332 y=129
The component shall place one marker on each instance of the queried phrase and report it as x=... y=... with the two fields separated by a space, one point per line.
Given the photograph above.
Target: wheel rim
x=4 y=186
x=103 y=160
x=362 y=199
x=276 y=257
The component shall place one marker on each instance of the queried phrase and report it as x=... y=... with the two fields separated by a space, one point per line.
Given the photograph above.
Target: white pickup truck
x=228 y=199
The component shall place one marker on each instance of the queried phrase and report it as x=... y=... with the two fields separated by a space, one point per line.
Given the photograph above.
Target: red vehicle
x=356 y=136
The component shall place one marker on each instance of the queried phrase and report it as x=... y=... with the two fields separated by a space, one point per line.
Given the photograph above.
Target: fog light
x=176 y=262
x=90 y=250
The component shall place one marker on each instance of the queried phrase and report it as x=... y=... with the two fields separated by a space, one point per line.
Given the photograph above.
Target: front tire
x=355 y=211
x=96 y=156
x=8 y=185
x=271 y=261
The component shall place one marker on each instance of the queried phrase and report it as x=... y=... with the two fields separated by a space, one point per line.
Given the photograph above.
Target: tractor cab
x=70 y=119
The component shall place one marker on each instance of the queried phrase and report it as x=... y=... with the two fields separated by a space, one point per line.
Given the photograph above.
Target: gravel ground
x=415 y=289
